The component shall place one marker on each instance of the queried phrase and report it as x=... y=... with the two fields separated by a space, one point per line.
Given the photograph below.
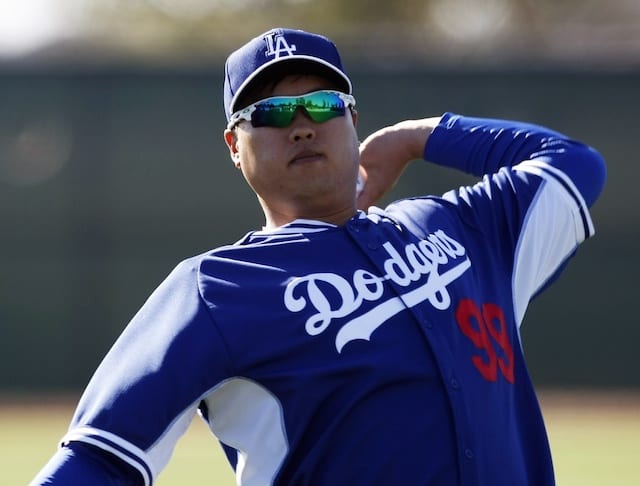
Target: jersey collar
x=303 y=226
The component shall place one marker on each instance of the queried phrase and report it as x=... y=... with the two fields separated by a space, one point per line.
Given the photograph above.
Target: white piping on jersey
x=127 y=452
x=538 y=255
x=297 y=226
x=149 y=463
x=300 y=226
x=248 y=417
x=546 y=171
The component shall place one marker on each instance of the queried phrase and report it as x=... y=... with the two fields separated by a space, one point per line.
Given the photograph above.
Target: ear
x=354 y=116
x=231 y=139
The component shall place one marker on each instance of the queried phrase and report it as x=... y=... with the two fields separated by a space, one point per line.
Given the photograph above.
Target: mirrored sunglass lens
x=324 y=106
x=279 y=112
x=272 y=114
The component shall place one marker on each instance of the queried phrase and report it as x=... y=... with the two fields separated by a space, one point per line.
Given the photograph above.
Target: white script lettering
x=419 y=260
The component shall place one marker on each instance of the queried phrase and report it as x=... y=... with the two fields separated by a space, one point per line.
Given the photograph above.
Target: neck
x=275 y=219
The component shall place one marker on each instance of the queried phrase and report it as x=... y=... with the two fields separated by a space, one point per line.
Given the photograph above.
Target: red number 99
x=485 y=327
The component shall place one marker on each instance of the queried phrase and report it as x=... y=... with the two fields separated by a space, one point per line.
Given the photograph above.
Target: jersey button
x=454 y=384
x=468 y=453
x=373 y=245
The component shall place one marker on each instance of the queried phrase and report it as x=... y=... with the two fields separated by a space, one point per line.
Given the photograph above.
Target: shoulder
x=420 y=214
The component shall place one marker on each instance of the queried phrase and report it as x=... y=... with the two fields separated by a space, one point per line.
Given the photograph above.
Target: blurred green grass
x=594 y=436
x=595 y=439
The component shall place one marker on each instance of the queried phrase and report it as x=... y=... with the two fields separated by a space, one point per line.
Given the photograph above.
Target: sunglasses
x=279 y=111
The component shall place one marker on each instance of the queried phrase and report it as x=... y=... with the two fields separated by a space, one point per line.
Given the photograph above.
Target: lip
x=305 y=156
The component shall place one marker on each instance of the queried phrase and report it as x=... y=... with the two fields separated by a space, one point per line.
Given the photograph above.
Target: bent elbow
x=594 y=168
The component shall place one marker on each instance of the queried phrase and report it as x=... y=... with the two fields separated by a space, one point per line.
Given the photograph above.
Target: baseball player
x=338 y=346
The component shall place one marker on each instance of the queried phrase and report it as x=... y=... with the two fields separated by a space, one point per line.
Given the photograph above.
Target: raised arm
x=475 y=146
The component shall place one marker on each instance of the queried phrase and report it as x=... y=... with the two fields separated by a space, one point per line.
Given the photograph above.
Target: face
x=304 y=170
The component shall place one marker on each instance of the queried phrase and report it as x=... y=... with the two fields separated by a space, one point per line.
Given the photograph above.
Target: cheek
x=257 y=164
x=351 y=149
x=257 y=146
x=248 y=150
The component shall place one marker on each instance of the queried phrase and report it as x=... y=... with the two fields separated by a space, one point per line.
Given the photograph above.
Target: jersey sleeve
x=146 y=391
x=480 y=146
x=529 y=212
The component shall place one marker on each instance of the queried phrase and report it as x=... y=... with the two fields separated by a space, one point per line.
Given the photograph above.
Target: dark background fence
x=109 y=177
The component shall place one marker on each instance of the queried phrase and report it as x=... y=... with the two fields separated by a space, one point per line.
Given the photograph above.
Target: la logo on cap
x=277 y=45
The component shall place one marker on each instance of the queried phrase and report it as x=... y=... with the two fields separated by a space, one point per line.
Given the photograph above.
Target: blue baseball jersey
x=385 y=351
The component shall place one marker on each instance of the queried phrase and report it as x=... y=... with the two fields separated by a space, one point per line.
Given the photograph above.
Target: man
x=337 y=346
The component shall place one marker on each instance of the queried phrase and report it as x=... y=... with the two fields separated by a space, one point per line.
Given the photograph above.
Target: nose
x=302 y=126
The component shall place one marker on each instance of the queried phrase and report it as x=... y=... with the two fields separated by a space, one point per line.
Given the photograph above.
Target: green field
x=595 y=438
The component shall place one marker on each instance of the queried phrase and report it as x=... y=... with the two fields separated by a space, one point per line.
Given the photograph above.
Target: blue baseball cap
x=295 y=51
